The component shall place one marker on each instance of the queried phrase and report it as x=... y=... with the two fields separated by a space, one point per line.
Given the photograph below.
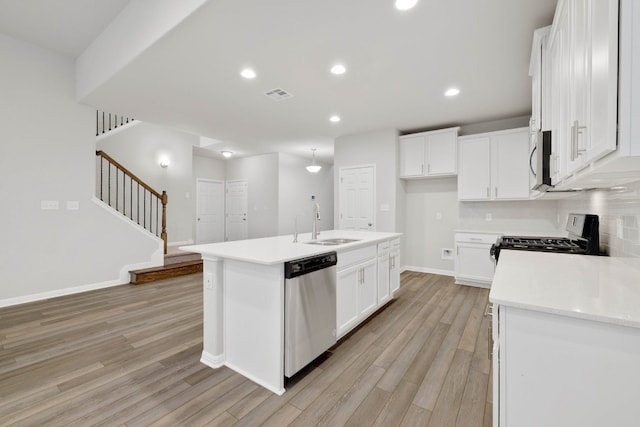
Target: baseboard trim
x=57 y=293
x=428 y=270
x=212 y=361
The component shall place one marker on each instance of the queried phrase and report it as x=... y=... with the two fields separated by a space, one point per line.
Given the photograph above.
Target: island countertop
x=599 y=288
x=280 y=249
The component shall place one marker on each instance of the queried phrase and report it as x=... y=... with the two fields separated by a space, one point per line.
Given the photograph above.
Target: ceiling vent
x=278 y=94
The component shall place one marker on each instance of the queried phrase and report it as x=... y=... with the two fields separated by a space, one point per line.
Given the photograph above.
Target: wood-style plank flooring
x=129 y=355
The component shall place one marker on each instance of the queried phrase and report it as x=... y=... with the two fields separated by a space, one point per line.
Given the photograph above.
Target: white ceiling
x=398 y=66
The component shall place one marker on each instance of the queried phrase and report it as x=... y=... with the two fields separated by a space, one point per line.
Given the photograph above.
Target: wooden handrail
x=129 y=173
x=139 y=204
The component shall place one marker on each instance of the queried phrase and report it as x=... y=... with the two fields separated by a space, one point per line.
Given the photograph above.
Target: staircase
x=176 y=263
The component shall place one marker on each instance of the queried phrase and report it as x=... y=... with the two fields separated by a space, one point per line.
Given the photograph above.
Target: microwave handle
x=531 y=159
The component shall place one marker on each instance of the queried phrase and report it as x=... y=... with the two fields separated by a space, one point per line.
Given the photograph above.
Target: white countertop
x=280 y=249
x=605 y=289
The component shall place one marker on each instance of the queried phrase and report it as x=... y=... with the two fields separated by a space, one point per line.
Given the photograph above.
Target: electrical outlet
x=49 y=204
x=447 y=253
x=438 y=215
x=73 y=205
x=208 y=281
x=488 y=216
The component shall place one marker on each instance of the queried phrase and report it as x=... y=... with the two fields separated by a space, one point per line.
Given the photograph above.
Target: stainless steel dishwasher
x=310 y=309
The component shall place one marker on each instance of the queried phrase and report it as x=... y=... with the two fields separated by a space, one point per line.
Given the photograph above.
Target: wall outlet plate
x=49 y=204
x=447 y=253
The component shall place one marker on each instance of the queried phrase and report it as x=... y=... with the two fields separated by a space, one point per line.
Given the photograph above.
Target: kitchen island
x=566 y=331
x=243 y=296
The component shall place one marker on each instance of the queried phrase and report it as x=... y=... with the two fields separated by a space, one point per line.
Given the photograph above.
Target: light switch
x=187 y=195
x=488 y=216
x=438 y=215
x=385 y=207
x=49 y=204
x=73 y=205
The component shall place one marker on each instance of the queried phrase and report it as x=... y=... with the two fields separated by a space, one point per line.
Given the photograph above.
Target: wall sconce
x=164 y=162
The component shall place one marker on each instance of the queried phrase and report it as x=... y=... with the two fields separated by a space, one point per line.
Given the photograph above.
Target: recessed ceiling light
x=405 y=4
x=334 y=119
x=227 y=154
x=452 y=91
x=248 y=73
x=338 y=69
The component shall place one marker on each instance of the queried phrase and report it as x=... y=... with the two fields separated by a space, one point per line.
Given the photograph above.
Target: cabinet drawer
x=382 y=247
x=355 y=256
x=477 y=238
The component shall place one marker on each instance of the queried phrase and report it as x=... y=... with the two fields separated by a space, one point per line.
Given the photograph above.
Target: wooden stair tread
x=152 y=274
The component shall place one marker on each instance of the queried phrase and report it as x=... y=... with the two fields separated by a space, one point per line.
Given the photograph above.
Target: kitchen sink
x=331 y=242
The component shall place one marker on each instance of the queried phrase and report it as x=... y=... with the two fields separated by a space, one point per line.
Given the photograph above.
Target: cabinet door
x=510 y=165
x=441 y=153
x=368 y=288
x=474 y=169
x=412 y=155
x=604 y=79
x=347 y=284
x=383 y=277
x=473 y=262
x=394 y=271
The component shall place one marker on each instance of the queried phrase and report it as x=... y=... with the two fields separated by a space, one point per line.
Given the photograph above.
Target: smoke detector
x=278 y=94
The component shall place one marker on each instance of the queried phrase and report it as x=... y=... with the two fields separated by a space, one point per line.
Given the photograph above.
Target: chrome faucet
x=316 y=218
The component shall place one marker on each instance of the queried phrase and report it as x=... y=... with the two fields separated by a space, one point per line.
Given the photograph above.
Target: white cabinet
x=580 y=372
x=583 y=50
x=494 y=166
x=394 y=266
x=356 y=287
x=429 y=154
x=384 y=273
x=473 y=263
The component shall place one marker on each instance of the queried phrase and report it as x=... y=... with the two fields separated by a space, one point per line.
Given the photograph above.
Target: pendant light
x=313 y=168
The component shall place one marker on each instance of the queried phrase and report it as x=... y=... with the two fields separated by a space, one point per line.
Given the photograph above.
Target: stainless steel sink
x=331 y=242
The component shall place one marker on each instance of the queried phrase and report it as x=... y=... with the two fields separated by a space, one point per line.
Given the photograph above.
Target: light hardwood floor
x=129 y=355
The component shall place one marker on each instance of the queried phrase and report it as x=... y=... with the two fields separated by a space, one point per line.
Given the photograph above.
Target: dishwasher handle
x=308 y=265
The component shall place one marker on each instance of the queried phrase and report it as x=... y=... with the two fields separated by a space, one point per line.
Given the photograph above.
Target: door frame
x=374 y=192
x=223 y=205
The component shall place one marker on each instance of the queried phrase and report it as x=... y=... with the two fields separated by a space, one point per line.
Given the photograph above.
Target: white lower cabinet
x=473 y=263
x=384 y=273
x=366 y=280
x=394 y=266
x=356 y=287
x=554 y=370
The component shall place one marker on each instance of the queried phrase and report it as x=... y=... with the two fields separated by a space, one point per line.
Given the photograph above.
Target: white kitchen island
x=243 y=298
x=566 y=332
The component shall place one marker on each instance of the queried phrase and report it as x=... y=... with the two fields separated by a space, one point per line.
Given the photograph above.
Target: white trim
x=57 y=293
x=212 y=361
x=117 y=130
x=181 y=243
x=428 y=270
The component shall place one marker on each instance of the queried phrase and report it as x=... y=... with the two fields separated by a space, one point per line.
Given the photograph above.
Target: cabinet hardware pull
x=495 y=191
x=428 y=168
x=488 y=194
x=422 y=169
x=475 y=239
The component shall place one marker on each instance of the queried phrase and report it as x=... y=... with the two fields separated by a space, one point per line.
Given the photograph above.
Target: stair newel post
x=163 y=234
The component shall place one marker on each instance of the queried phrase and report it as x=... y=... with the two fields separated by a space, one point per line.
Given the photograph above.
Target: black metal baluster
x=103 y=122
x=157 y=214
x=117 y=185
x=109 y=121
x=138 y=205
x=131 y=197
x=97 y=120
x=144 y=208
x=109 y=184
x=101 y=177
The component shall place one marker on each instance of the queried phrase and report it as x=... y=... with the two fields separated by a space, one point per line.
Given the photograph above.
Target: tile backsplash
x=619 y=211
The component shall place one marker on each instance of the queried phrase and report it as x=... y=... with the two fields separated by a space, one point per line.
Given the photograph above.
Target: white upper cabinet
x=429 y=154
x=582 y=56
x=494 y=166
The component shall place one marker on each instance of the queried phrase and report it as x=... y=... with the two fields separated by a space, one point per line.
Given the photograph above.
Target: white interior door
x=237 y=220
x=357 y=198
x=209 y=211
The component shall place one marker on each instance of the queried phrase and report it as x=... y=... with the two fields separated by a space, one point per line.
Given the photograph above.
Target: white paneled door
x=236 y=202
x=209 y=211
x=357 y=198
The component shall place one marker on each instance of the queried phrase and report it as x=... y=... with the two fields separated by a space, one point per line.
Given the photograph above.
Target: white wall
x=139 y=149
x=379 y=148
x=296 y=186
x=48 y=153
x=261 y=172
